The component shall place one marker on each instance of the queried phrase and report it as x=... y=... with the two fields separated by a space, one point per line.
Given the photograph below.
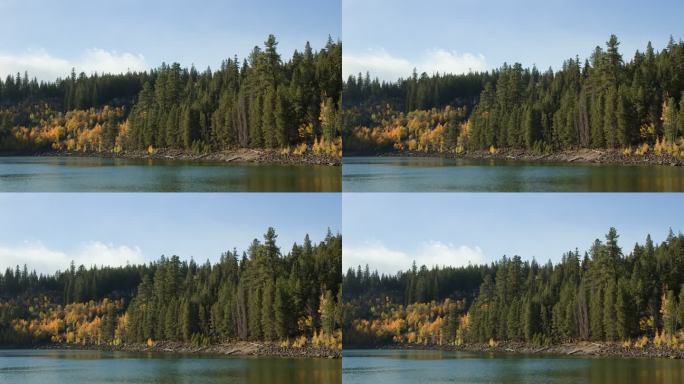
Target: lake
x=76 y=367
x=434 y=174
x=90 y=174
x=396 y=367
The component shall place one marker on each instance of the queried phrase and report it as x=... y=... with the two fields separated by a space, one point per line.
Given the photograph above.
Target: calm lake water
x=417 y=174
x=396 y=367
x=86 y=174
x=76 y=367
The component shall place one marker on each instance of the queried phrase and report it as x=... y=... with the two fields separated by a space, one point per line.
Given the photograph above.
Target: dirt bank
x=587 y=156
x=584 y=348
x=244 y=155
x=238 y=348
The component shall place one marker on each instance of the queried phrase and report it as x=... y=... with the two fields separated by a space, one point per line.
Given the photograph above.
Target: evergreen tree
x=669 y=312
x=627 y=127
x=670 y=120
x=624 y=310
x=267 y=316
x=268 y=121
x=609 y=120
x=283 y=310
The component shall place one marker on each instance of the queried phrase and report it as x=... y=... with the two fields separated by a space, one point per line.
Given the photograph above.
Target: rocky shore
x=585 y=156
x=238 y=348
x=244 y=155
x=584 y=348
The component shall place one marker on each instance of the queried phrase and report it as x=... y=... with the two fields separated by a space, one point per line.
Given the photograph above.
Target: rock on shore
x=582 y=348
x=237 y=348
x=583 y=156
x=243 y=155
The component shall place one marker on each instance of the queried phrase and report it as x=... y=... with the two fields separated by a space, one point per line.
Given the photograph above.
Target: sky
x=48 y=38
x=460 y=228
x=47 y=231
x=391 y=37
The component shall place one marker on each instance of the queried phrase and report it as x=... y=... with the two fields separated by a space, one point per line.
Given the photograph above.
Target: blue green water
x=95 y=367
x=418 y=174
x=434 y=367
x=88 y=174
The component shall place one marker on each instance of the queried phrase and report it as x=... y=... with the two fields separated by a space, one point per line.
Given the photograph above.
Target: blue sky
x=390 y=37
x=47 y=231
x=49 y=36
x=389 y=231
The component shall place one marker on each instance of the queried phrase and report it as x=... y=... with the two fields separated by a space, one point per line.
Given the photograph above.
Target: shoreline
x=235 y=156
x=236 y=348
x=583 y=348
x=577 y=156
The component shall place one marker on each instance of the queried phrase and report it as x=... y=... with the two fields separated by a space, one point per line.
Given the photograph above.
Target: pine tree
x=612 y=65
x=610 y=120
x=109 y=322
x=283 y=310
x=609 y=317
x=596 y=314
x=191 y=126
x=531 y=126
x=171 y=321
x=254 y=315
x=268 y=122
x=670 y=120
x=189 y=320
x=267 y=309
x=669 y=313
x=597 y=126
x=255 y=123
x=328 y=120
x=627 y=130
x=327 y=312
x=283 y=119
x=531 y=310
x=624 y=309
x=452 y=322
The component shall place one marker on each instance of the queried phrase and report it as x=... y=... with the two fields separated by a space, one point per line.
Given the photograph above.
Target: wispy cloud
x=44 y=66
x=385 y=66
x=45 y=260
x=431 y=253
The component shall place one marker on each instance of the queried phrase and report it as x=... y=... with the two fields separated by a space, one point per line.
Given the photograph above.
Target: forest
x=259 y=295
x=604 y=102
x=261 y=102
x=603 y=295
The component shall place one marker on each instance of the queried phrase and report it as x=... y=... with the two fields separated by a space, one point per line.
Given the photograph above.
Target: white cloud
x=44 y=66
x=382 y=64
x=45 y=260
x=379 y=63
x=430 y=253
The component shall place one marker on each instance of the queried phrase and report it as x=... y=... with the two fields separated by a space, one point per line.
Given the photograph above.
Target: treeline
x=603 y=102
x=416 y=92
x=74 y=92
x=76 y=284
x=90 y=130
x=259 y=295
x=261 y=102
x=372 y=109
x=416 y=131
x=603 y=295
x=416 y=285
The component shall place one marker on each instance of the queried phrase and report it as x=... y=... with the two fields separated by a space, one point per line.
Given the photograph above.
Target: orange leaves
x=74 y=323
x=419 y=323
x=78 y=130
x=423 y=131
x=54 y=326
